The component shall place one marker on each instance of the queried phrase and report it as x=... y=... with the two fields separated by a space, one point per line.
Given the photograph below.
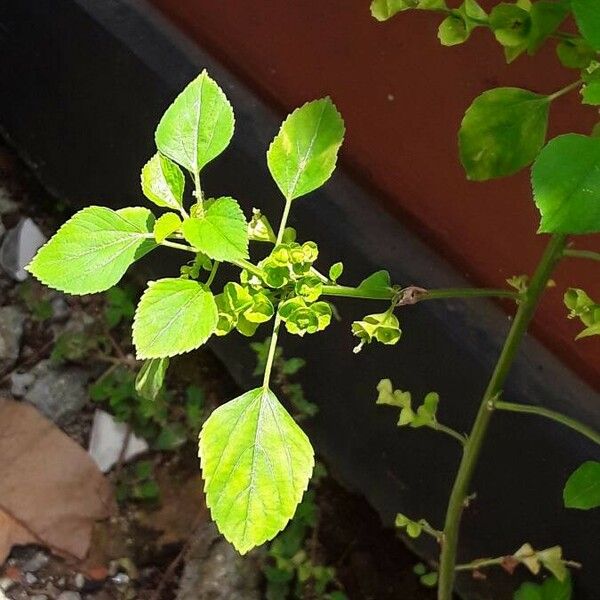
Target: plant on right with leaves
x=503 y=131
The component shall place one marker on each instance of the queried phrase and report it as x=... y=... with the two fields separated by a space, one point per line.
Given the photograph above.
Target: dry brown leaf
x=51 y=491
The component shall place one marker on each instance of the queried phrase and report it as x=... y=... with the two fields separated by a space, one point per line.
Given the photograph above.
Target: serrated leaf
x=166 y=225
x=198 y=126
x=222 y=232
x=502 y=132
x=256 y=464
x=150 y=378
x=163 y=182
x=93 y=249
x=303 y=154
x=174 y=316
x=566 y=185
x=582 y=489
x=587 y=15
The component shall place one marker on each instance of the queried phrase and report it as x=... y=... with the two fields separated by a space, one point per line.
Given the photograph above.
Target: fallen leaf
x=51 y=492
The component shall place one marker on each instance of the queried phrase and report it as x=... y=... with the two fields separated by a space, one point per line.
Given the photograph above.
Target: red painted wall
x=403 y=96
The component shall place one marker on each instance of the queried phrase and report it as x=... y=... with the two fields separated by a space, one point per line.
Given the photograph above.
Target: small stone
x=69 y=596
x=79 y=580
x=11 y=332
x=18 y=248
x=20 y=383
x=38 y=597
x=60 y=308
x=7 y=204
x=30 y=578
x=38 y=561
x=58 y=393
x=121 y=579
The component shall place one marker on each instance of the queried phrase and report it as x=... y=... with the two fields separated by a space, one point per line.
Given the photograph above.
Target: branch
x=589 y=254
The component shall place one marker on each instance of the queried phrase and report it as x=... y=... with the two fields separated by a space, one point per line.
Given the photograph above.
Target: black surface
x=83 y=85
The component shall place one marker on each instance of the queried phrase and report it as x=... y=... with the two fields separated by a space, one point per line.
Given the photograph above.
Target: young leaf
x=198 y=126
x=546 y=17
x=382 y=10
x=256 y=463
x=591 y=93
x=303 y=154
x=150 y=378
x=551 y=589
x=93 y=249
x=587 y=15
x=174 y=316
x=377 y=282
x=582 y=489
x=222 y=233
x=502 y=132
x=510 y=24
x=566 y=185
x=163 y=182
x=166 y=225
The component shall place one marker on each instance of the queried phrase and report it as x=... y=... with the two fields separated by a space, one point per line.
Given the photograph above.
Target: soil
x=141 y=551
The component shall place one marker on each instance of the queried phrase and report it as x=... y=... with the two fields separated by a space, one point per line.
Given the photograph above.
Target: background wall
x=403 y=96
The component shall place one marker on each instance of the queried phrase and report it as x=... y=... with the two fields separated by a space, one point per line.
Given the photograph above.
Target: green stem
x=552 y=415
x=213 y=272
x=272 y=349
x=449 y=431
x=442 y=294
x=284 y=219
x=460 y=489
x=178 y=246
x=480 y=563
x=590 y=254
x=246 y=264
x=565 y=90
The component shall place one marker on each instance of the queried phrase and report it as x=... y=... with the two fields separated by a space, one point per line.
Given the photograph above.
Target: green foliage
x=165 y=226
x=383 y=10
x=381 y=327
x=502 y=132
x=551 y=589
x=303 y=154
x=138 y=483
x=427 y=578
x=221 y=233
x=174 y=316
x=93 y=249
x=587 y=15
x=256 y=463
x=546 y=17
x=163 y=182
x=581 y=306
x=150 y=378
x=582 y=489
x=198 y=126
x=120 y=305
x=566 y=184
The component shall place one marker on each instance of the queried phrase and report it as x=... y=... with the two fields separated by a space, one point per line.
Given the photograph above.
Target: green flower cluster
x=382 y=327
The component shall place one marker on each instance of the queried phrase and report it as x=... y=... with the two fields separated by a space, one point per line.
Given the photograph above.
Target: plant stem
x=246 y=264
x=582 y=254
x=565 y=90
x=460 y=489
x=480 y=563
x=213 y=272
x=272 y=349
x=178 y=246
x=283 y=223
x=449 y=431
x=441 y=294
x=552 y=415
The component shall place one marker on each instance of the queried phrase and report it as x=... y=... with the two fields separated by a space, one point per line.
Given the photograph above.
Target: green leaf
x=150 y=378
x=163 y=182
x=566 y=185
x=382 y=10
x=198 y=126
x=335 y=271
x=546 y=17
x=303 y=154
x=222 y=233
x=591 y=93
x=551 y=589
x=256 y=463
x=582 y=489
x=587 y=15
x=93 y=249
x=166 y=225
x=575 y=53
x=174 y=316
x=453 y=30
x=510 y=24
x=377 y=282
x=502 y=132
